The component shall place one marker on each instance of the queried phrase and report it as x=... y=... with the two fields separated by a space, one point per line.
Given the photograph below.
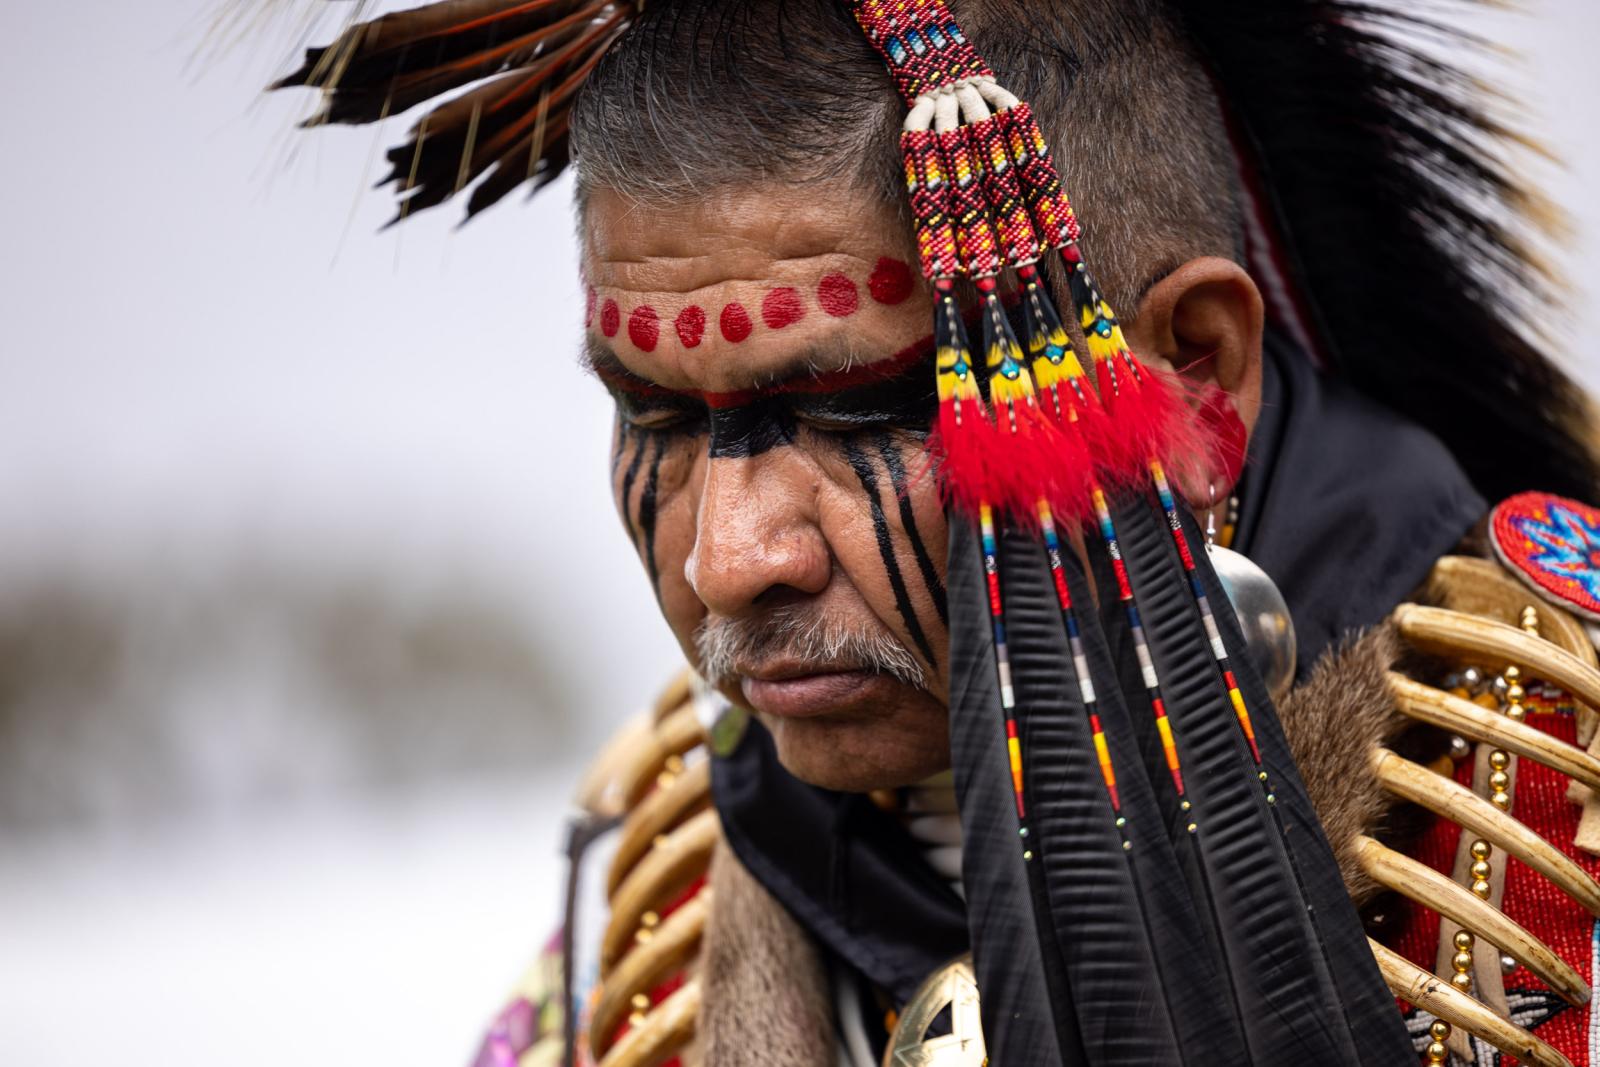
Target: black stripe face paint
x=746 y=430
x=639 y=440
x=892 y=460
x=649 y=450
x=880 y=524
x=647 y=516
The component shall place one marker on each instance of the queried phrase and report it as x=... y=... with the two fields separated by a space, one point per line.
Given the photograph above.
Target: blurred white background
x=312 y=599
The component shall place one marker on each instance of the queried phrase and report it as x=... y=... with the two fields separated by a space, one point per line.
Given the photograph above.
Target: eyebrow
x=800 y=376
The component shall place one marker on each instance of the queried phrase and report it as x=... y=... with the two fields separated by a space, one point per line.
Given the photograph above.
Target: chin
x=860 y=753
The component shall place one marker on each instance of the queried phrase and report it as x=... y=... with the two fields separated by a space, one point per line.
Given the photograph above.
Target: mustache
x=797 y=632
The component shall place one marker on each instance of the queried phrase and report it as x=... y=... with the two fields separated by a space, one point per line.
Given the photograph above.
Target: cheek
x=882 y=519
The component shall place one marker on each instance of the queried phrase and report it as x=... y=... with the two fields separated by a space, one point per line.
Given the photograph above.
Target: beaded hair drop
x=1173 y=888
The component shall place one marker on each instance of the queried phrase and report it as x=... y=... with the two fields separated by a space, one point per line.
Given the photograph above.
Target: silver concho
x=952 y=987
x=1263 y=616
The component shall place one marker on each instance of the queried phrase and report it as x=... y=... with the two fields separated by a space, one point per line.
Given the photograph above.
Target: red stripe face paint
x=837 y=295
x=644 y=328
x=782 y=307
x=691 y=326
x=735 y=323
x=610 y=318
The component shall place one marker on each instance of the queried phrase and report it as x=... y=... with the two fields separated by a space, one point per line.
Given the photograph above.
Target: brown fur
x=767 y=1000
x=1332 y=722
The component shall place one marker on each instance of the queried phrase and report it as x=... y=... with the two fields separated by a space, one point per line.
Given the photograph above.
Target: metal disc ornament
x=953 y=988
x=1263 y=617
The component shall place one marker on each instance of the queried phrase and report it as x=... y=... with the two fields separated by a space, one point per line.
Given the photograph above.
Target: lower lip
x=810 y=695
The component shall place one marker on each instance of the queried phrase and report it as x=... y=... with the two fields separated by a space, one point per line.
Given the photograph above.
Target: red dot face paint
x=735 y=322
x=691 y=326
x=782 y=307
x=588 y=307
x=644 y=328
x=891 y=281
x=837 y=295
x=610 y=318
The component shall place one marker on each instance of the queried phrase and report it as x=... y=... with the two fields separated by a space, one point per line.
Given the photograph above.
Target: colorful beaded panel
x=1552 y=544
x=921 y=43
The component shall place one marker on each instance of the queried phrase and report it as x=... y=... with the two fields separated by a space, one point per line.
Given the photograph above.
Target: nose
x=756 y=535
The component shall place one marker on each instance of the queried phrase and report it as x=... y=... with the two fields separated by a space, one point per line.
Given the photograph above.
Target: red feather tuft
x=966 y=452
x=1149 y=419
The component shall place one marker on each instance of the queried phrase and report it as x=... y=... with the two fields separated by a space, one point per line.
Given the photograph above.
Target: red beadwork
x=976 y=241
x=930 y=207
x=1001 y=185
x=1041 y=186
x=920 y=42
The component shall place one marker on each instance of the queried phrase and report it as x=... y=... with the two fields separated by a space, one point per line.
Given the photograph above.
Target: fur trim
x=1332 y=722
x=767 y=998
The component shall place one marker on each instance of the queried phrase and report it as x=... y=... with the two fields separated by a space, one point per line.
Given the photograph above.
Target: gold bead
x=1511 y=674
x=1193 y=827
x=1514 y=694
x=641 y=1002
x=1481 y=869
x=1437 y=1052
x=1462 y=982
x=1482 y=850
x=636 y=1019
x=1481 y=889
x=1501 y=801
x=1516 y=711
x=1499 y=781
x=1464 y=940
x=664 y=779
x=1499 y=759
x=675 y=764
x=1440 y=1030
x=1462 y=962
x=642 y=935
x=649 y=919
x=1185 y=806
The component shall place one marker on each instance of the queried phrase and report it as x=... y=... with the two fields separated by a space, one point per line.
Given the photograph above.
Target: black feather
x=1405 y=226
x=1028 y=1015
x=1278 y=948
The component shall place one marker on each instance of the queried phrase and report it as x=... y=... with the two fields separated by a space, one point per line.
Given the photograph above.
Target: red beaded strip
x=1040 y=184
x=930 y=210
x=921 y=44
x=976 y=239
x=1001 y=184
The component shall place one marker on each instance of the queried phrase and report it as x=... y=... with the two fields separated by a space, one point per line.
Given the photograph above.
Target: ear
x=1204 y=322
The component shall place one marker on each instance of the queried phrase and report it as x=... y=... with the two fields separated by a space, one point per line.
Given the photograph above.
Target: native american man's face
x=771 y=361
x=770 y=357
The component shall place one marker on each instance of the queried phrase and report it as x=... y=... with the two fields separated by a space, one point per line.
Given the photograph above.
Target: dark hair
x=702 y=94
x=1404 y=226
